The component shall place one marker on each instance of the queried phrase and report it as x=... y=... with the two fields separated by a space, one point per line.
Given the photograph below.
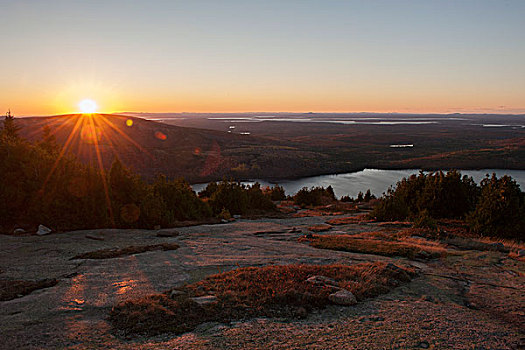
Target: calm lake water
x=378 y=181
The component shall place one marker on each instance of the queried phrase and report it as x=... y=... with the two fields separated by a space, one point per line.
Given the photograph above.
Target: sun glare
x=87 y=106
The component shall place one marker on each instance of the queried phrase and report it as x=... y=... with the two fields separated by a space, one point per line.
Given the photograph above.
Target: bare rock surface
x=433 y=309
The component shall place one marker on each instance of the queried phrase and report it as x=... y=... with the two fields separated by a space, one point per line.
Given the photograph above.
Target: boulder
x=43 y=230
x=343 y=297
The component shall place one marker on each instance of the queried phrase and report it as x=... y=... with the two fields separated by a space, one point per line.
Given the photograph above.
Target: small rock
x=224 y=221
x=166 y=233
x=343 y=297
x=497 y=246
x=236 y=216
x=301 y=312
x=209 y=327
x=176 y=293
x=94 y=237
x=428 y=298
x=423 y=345
x=205 y=300
x=19 y=231
x=43 y=230
x=376 y=319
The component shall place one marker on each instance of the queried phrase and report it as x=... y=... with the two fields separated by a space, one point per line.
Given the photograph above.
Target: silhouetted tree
x=9 y=130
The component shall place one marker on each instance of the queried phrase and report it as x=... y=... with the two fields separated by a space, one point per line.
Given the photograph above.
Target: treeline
x=39 y=185
x=495 y=207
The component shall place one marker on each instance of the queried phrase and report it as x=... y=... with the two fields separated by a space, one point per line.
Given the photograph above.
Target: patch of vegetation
x=375 y=244
x=275 y=193
x=319 y=227
x=43 y=184
x=424 y=220
x=117 y=252
x=500 y=210
x=314 y=196
x=441 y=195
x=270 y=291
x=495 y=208
x=357 y=219
x=236 y=198
x=12 y=289
x=368 y=196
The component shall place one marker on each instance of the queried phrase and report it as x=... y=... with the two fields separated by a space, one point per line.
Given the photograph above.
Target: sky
x=247 y=55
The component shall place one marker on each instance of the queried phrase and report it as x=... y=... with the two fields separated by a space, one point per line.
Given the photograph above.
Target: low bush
x=275 y=193
x=495 y=208
x=500 y=209
x=237 y=198
x=270 y=291
x=314 y=196
x=441 y=195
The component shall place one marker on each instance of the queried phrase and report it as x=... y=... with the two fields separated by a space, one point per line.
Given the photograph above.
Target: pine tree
x=9 y=130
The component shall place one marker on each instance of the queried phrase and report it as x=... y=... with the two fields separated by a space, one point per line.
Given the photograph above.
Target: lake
x=377 y=180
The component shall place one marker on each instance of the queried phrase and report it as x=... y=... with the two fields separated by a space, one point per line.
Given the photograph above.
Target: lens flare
x=87 y=106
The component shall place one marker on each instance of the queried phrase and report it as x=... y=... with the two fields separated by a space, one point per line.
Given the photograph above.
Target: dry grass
x=11 y=289
x=315 y=212
x=271 y=291
x=287 y=207
x=117 y=252
x=339 y=207
x=379 y=243
x=357 y=219
x=319 y=228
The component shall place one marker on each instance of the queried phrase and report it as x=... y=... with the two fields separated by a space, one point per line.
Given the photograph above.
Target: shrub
x=179 y=201
x=441 y=195
x=424 y=220
x=275 y=193
x=500 y=209
x=257 y=200
x=314 y=196
x=238 y=198
x=210 y=189
x=347 y=199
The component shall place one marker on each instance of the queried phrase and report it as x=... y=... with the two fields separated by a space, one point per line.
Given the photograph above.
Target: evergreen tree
x=10 y=129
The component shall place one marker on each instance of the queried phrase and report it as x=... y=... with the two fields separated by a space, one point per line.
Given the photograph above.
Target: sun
x=87 y=106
